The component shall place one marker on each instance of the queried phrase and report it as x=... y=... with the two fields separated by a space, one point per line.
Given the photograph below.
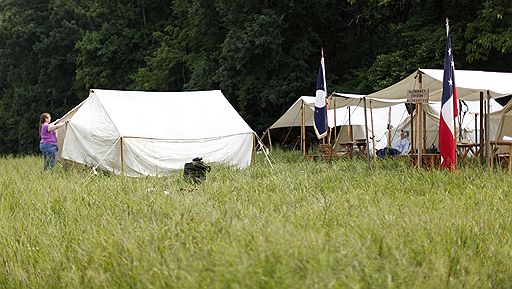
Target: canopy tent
x=383 y=116
x=139 y=133
x=469 y=84
x=345 y=103
x=292 y=117
x=346 y=99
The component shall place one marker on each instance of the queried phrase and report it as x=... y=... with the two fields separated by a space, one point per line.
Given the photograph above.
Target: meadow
x=302 y=224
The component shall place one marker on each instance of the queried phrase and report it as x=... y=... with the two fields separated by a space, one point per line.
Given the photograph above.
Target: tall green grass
x=301 y=224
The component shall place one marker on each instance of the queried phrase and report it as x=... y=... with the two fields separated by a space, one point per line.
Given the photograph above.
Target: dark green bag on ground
x=196 y=170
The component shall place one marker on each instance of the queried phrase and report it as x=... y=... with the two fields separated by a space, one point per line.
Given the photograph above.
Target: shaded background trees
x=262 y=54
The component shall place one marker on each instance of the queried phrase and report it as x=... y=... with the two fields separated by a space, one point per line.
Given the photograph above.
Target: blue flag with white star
x=320 y=117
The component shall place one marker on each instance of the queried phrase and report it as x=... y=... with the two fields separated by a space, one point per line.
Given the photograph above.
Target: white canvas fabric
x=469 y=84
x=152 y=133
x=505 y=122
x=381 y=117
x=292 y=117
x=469 y=111
x=431 y=125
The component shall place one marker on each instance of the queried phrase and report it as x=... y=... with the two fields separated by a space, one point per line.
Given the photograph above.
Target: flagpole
x=326 y=103
x=335 y=123
x=454 y=103
x=419 y=114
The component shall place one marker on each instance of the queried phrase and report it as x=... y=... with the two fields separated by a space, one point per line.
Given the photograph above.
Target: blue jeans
x=50 y=154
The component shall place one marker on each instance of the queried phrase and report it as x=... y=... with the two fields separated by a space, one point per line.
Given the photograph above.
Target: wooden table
x=463 y=150
x=349 y=147
x=495 y=145
x=431 y=161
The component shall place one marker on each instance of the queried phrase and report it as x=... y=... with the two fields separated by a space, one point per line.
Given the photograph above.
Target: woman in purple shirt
x=48 y=136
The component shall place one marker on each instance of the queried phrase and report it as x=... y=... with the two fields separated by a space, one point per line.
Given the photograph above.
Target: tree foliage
x=262 y=54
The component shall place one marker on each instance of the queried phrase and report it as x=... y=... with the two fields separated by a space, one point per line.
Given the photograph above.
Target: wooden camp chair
x=502 y=158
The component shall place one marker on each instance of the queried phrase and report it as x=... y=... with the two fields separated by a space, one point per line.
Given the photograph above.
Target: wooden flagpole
x=419 y=114
x=335 y=123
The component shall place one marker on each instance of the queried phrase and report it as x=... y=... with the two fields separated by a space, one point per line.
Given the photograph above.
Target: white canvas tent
x=381 y=118
x=139 y=133
x=292 y=117
x=469 y=84
x=345 y=103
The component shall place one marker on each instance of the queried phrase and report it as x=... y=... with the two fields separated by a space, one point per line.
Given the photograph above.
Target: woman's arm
x=53 y=126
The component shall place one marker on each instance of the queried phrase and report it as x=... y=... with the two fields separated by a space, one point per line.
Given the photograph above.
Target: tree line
x=262 y=54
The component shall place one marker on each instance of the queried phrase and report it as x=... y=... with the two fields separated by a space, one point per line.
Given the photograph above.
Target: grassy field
x=300 y=225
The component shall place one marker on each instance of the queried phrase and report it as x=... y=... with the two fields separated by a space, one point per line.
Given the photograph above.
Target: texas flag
x=449 y=109
x=320 y=103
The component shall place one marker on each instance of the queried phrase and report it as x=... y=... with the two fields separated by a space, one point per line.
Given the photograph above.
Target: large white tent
x=139 y=133
x=469 y=83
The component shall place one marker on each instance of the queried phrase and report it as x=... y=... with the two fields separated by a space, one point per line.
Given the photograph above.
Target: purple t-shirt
x=49 y=137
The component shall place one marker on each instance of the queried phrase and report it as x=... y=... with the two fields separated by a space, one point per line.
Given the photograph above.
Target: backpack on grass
x=196 y=170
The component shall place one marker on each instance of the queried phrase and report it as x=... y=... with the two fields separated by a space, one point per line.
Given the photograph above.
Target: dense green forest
x=262 y=54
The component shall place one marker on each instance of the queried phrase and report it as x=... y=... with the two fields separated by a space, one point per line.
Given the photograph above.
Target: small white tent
x=139 y=133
